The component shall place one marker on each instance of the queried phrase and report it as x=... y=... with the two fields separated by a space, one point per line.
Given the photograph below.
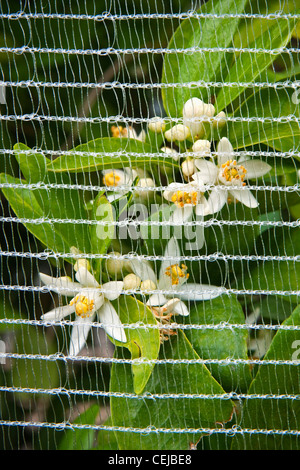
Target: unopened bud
x=157 y=125
x=194 y=112
x=82 y=263
x=148 y=285
x=114 y=266
x=219 y=121
x=131 y=282
x=178 y=132
x=202 y=147
x=147 y=185
x=188 y=168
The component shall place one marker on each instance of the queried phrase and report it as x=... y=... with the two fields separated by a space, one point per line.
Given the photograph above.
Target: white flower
x=186 y=197
x=156 y=125
x=118 y=178
x=228 y=173
x=88 y=300
x=195 y=113
x=178 y=132
x=171 y=281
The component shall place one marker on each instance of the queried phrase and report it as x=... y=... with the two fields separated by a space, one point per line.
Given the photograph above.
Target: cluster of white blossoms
x=211 y=180
x=224 y=177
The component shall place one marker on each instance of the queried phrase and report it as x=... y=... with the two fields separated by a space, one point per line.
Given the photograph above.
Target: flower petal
x=255 y=168
x=225 y=151
x=172 y=251
x=181 y=214
x=112 y=289
x=111 y=197
x=195 y=292
x=181 y=309
x=216 y=201
x=245 y=197
x=208 y=171
x=111 y=322
x=202 y=207
x=80 y=331
x=157 y=300
x=143 y=270
x=86 y=278
x=61 y=285
x=58 y=313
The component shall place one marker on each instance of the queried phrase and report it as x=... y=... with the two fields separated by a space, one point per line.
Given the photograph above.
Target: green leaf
x=281 y=274
x=25 y=206
x=280 y=413
x=32 y=165
x=271 y=119
x=153 y=412
x=249 y=64
x=127 y=149
x=207 y=32
x=143 y=343
x=49 y=201
x=81 y=439
x=221 y=343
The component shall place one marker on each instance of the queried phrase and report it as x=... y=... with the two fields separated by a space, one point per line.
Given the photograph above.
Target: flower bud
x=82 y=263
x=195 y=108
x=148 y=285
x=114 y=266
x=147 y=185
x=202 y=146
x=131 y=282
x=157 y=125
x=188 y=168
x=219 y=121
x=178 y=132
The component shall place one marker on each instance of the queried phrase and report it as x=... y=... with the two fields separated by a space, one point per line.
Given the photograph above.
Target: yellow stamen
x=180 y=198
x=233 y=172
x=83 y=305
x=111 y=179
x=119 y=131
x=175 y=272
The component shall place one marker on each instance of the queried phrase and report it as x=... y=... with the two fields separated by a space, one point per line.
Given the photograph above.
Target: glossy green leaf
x=205 y=66
x=32 y=165
x=125 y=154
x=271 y=117
x=221 y=343
x=154 y=413
x=142 y=342
x=250 y=63
x=281 y=413
x=25 y=206
x=49 y=198
x=81 y=439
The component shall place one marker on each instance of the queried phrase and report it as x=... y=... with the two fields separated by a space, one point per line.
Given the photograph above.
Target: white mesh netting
x=150 y=224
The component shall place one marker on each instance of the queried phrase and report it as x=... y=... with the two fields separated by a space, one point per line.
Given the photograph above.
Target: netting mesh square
x=149 y=182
